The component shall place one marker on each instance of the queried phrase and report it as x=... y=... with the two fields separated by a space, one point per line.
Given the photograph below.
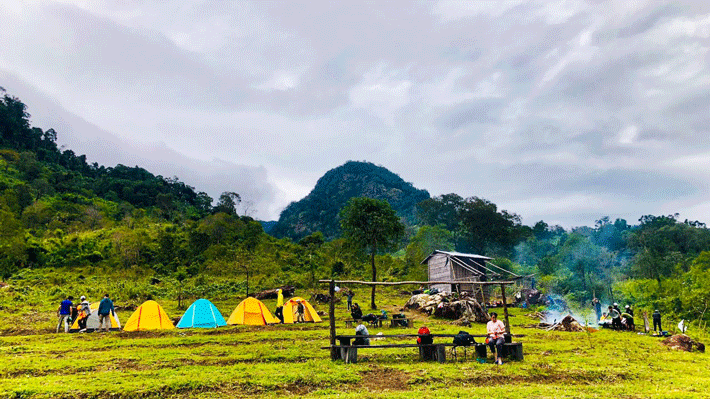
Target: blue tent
x=201 y=314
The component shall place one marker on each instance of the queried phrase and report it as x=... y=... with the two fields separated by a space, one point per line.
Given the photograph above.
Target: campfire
x=567 y=323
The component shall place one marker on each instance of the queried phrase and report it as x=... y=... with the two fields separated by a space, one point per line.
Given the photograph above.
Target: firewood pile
x=684 y=343
x=323 y=298
x=463 y=309
x=568 y=323
x=537 y=315
x=286 y=290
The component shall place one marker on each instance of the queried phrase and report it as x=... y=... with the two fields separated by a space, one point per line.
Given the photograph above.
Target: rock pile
x=684 y=343
x=463 y=309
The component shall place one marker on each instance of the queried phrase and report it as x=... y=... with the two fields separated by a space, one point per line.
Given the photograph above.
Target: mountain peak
x=318 y=211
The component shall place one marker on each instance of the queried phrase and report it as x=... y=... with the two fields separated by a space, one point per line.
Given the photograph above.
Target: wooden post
x=505 y=309
x=331 y=314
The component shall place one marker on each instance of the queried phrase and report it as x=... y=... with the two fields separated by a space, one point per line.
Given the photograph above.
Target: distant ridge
x=318 y=211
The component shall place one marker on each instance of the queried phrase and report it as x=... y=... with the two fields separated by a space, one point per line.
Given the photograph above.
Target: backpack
x=426 y=339
x=463 y=339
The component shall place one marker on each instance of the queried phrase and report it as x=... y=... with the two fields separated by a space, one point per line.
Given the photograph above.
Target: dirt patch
x=378 y=379
x=684 y=343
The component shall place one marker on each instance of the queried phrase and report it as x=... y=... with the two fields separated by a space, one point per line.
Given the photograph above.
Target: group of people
x=68 y=313
x=299 y=312
x=620 y=319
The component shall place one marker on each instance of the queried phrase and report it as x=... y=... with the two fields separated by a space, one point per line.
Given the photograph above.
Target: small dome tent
x=201 y=314
x=149 y=316
x=309 y=313
x=253 y=312
x=92 y=324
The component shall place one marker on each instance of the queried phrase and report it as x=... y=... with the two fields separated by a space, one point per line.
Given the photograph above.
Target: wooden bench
x=435 y=351
x=438 y=351
x=375 y=323
x=349 y=323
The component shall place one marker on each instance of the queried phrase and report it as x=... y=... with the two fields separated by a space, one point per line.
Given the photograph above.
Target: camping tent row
x=201 y=314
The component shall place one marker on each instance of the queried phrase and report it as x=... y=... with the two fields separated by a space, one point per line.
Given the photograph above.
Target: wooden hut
x=457 y=266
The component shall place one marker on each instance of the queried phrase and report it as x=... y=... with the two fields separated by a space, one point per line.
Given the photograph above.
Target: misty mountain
x=318 y=211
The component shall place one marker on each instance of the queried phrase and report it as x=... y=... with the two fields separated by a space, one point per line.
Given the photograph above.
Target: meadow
x=286 y=360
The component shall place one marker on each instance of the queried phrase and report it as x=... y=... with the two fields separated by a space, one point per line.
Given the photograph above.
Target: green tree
x=373 y=225
x=427 y=239
x=228 y=203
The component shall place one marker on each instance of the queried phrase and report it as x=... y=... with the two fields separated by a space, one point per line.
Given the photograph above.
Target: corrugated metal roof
x=455 y=254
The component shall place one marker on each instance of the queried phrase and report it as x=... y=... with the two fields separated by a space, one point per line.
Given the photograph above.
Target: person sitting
x=496 y=330
x=356 y=312
x=362 y=333
x=383 y=315
x=370 y=317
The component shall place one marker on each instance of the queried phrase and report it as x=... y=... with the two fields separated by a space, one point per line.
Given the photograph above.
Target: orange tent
x=253 y=312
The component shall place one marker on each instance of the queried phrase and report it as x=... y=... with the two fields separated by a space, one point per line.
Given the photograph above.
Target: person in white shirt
x=496 y=330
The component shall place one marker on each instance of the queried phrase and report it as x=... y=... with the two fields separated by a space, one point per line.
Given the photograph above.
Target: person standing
x=279 y=312
x=628 y=310
x=300 y=312
x=350 y=296
x=496 y=330
x=615 y=318
x=105 y=311
x=657 y=321
x=84 y=313
x=597 y=308
x=64 y=313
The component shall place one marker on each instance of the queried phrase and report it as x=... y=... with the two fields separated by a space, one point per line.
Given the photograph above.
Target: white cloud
x=628 y=135
x=451 y=94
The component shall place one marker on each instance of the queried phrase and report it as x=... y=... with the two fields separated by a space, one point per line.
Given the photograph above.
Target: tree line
x=58 y=211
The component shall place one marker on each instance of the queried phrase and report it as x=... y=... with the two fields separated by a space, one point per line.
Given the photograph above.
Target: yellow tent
x=149 y=316
x=309 y=313
x=253 y=312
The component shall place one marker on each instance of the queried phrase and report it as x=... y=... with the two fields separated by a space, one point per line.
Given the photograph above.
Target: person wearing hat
x=615 y=318
x=84 y=313
x=279 y=312
x=628 y=310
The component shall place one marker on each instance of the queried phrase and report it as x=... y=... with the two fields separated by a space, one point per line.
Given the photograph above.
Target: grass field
x=285 y=360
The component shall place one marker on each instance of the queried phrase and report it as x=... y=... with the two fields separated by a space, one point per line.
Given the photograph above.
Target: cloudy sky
x=563 y=111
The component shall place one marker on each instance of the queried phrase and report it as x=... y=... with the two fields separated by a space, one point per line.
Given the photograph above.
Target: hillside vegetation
x=66 y=221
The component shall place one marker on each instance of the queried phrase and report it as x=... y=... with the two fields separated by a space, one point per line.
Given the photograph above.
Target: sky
x=562 y=111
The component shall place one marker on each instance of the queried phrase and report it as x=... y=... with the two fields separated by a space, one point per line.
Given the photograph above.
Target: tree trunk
x=247 y=282
x=374 y=277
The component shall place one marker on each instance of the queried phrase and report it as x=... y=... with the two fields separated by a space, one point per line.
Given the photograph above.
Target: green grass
x=285 y=360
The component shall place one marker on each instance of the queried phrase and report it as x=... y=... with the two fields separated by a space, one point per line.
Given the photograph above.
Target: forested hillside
x=60 y=215
x=319 y=210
